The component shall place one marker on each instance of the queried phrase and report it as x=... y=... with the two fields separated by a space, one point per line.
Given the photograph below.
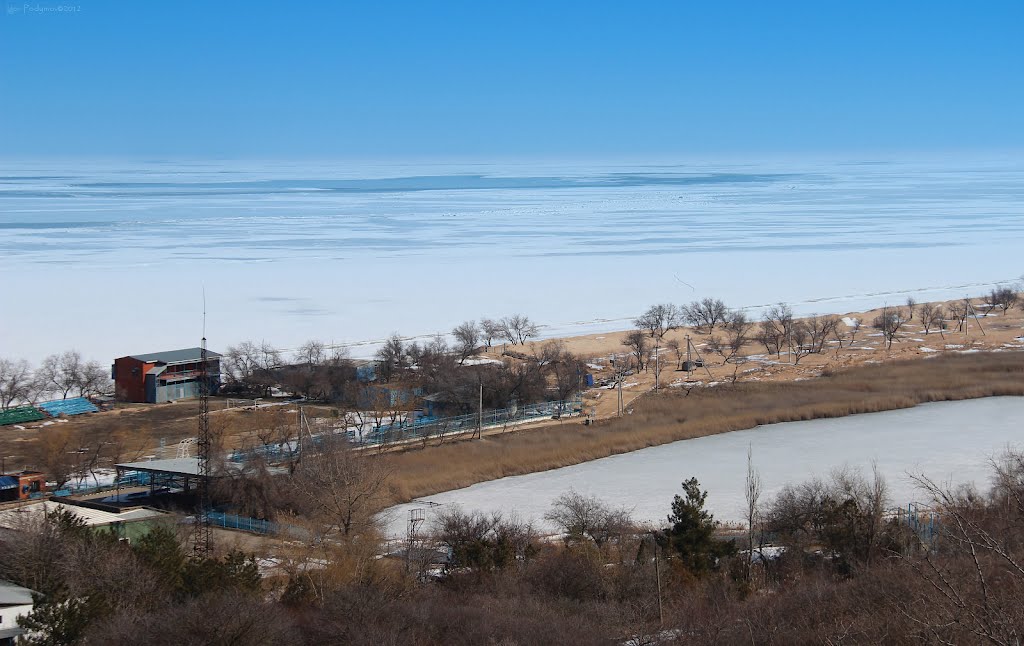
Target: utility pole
x=973 y=312
x=657 y=368
x=689 y=363
x=789 y=341
x=885 y=324
x=657 y=574
x=620 y=376
x=480 y=412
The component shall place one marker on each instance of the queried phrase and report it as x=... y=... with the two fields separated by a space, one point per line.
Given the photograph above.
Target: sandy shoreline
x=995 y=332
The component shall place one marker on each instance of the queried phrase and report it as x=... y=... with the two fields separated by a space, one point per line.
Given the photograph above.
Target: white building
x=15 y=601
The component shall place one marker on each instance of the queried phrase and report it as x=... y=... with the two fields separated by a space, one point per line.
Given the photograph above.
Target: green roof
x=20 y=414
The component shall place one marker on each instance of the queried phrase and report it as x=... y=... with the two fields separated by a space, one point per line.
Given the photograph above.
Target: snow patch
x=481 y=362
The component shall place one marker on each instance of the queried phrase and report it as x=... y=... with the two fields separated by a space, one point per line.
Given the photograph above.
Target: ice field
x=950 y=442
x=111 y=257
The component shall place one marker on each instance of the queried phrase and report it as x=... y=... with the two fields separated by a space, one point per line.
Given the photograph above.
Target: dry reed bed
x=673 y=415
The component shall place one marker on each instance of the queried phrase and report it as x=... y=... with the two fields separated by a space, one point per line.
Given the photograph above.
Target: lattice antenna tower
x=201 y=545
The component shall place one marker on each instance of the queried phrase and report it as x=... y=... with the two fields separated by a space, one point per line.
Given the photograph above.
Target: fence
x=370 y=434
x=132 y=479
x=233 y=521
x=924 y=522
x=425 y=427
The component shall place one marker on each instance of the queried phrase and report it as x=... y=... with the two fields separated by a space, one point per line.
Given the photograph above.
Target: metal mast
x=201 y=545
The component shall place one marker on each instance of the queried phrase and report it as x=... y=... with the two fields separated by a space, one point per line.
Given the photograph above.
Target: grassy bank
x=673 y=415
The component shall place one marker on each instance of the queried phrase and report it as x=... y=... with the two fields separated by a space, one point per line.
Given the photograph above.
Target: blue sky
x=295 y=79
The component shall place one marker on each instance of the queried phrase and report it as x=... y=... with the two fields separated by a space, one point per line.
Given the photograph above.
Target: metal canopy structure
x=175 y=466
x=177 y=473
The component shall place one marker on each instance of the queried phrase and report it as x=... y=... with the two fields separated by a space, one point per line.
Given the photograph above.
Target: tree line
x=778 y=330
x=318 y=371
x=59 y=375
x=438 y=366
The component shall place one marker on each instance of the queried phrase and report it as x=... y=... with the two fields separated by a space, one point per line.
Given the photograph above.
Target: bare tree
x=1003 y=297
x=566 y=368
x=911 y=307
x=252 y=365
x=303 y=376
x=61 y=373
x=845 y=515
x=489 y=330
x=94 y=380
x=958 y=311
x=53 y=452
x=484 y=542
x=752 y=494
x=518 y=329
x=658 y=320
x=636 y=341
x=582 y=518
x=15 y=382
x=320 y=373
x=973 y=582
x=392 y=358
x=800 y=341
x=809 y=336
x=240 y=362
x=312 y=353
x=889 y=323
x=854 y=326
x=737 y=334
x=776 y=328
x=705 y=314
x=339 y=487
x=467 y=340
x=930 y=316
x=819 y=328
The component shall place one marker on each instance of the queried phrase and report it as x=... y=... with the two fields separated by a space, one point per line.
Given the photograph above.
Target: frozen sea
x=950 y=442
x=112 y=257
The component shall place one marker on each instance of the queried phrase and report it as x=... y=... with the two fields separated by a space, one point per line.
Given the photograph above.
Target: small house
x=21 y=485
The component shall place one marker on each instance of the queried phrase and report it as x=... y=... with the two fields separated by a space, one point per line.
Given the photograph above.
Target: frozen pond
x=948 y=441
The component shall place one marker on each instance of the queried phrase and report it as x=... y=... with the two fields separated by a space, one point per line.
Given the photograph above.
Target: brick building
x=164 y=376
x=21 y=485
